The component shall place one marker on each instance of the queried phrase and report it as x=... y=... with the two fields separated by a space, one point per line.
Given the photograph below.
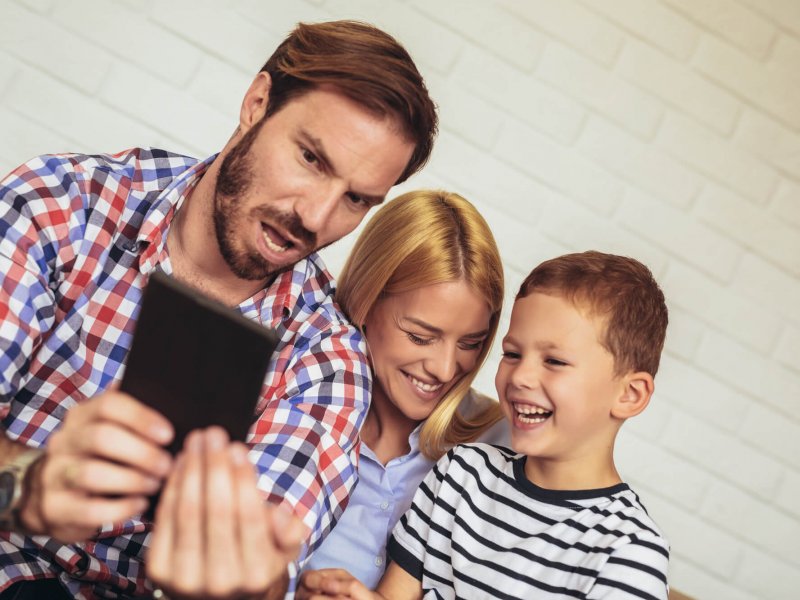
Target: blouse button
x=378 y=561
x=384 y=505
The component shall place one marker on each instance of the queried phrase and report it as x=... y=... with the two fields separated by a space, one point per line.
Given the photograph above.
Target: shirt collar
x=152 y=234
x=277 y=301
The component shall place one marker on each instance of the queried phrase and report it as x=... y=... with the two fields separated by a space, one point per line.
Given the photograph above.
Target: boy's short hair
x=619 y=289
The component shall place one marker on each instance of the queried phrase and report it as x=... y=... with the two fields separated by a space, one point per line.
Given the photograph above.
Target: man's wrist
x=16 y=477
x=29 y=514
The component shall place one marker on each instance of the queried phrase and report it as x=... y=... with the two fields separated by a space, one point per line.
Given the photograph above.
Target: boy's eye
x=419 y=341
x=509 y=355
x=555 y=362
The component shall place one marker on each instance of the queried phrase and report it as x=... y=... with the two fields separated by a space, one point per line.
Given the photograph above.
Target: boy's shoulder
x=632 y=519
x=478 y=461
x=490 y=453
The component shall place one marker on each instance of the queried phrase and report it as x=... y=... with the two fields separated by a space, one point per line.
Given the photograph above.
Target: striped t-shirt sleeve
x=408 y=543
x=634 y=570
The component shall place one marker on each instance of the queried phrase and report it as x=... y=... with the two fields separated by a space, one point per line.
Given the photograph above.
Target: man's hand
x=214 y=535
x=99 y=467
x=332 y=583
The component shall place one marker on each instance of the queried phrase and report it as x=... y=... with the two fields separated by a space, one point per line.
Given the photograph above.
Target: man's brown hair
x=618 y=289
x=366 y=65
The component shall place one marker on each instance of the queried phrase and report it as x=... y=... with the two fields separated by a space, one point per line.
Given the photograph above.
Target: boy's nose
x=525 y=375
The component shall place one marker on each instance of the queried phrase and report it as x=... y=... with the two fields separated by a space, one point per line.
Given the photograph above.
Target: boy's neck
x=572 y=475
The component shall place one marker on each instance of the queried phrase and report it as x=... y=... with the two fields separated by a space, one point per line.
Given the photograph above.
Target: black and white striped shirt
x=478 y=528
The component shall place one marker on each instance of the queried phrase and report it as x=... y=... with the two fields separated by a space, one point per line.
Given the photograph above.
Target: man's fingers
x=189 y=532
x=260 y=563
x=160 y=555
x=80 y=515
x=97 y=477
x=288 y=530
x=223 y=552
x=113 y=442
x=124 y=410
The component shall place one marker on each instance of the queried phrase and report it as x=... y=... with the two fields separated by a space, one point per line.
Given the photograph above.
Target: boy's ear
x=256 y=99
x=635 y=396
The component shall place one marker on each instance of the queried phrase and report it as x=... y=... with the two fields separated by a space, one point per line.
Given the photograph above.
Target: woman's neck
x=386 y=429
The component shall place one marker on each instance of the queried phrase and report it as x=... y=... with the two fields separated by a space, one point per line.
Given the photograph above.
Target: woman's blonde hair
x=423 y=238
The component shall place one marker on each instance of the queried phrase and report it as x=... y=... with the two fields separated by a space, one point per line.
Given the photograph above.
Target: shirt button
x=384 y=505
x=378 y=561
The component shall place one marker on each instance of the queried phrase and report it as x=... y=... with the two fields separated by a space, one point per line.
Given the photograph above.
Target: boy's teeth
x=531 y=414
x=528 y=419
x=528 y=409
x=425 y=387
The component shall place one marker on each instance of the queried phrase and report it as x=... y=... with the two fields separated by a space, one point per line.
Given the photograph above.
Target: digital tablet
x=196 y=361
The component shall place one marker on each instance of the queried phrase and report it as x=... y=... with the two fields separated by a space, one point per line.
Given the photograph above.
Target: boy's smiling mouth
x=530 y=413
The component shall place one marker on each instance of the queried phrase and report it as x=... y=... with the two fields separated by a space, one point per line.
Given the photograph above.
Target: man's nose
x=316 y=209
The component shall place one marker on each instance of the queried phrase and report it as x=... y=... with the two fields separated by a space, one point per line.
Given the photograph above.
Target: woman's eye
x=419 y=341
x=471 y=345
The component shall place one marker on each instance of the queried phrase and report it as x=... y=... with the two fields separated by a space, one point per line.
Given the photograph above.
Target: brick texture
x=668 y=130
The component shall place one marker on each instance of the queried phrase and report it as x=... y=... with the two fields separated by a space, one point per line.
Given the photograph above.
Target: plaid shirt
x=78 y=237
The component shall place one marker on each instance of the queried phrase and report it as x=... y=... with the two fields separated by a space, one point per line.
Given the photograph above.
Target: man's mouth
x=274 y=240
x=530 y=414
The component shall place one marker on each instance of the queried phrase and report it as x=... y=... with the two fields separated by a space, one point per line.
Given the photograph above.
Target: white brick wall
x=664 y=129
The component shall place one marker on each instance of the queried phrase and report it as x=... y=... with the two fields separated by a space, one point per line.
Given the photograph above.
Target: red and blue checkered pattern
x=79 y=236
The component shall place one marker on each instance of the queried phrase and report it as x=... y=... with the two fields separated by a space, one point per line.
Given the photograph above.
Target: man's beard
x=234 y=179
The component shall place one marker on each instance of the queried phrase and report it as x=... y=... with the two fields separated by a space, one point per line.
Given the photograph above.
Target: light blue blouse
x=383 y=494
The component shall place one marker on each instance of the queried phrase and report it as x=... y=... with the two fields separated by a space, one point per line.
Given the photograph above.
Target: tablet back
x=196 y=361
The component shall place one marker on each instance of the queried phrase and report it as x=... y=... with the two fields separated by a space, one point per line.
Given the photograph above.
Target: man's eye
x=309 y=157
x=356 y=199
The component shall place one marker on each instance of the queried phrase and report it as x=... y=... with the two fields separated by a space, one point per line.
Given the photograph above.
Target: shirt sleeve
x=408 y=543
x=305 y=441
x=636 y=570
x=32 y=215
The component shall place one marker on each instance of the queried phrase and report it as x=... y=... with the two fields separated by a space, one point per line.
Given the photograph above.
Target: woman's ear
x=635 y=396
x=255 y=102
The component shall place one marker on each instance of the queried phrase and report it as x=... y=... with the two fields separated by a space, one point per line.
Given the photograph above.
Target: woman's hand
x=332 y=583
x=214 y=535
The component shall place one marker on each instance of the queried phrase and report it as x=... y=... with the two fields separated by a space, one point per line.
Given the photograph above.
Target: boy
x=552 y=519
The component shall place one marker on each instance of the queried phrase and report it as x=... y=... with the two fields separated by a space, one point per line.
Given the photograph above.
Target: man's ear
x=635 y=396
x=256 y=99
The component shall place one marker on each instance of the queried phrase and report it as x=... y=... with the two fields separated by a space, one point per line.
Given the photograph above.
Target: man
x=337 y=116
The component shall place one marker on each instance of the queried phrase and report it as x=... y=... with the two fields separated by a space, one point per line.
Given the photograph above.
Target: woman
x=424 y=283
